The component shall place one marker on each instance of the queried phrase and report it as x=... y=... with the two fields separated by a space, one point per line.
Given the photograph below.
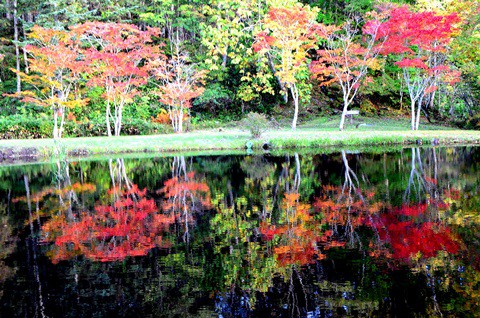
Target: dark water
x=345 y=234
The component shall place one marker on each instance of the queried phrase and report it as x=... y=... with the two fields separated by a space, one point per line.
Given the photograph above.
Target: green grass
x=319 y=133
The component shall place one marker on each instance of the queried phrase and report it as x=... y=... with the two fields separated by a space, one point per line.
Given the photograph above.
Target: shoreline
x=34 y=150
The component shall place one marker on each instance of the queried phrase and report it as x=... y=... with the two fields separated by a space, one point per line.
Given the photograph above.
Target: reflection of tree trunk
x=350 y=189
x=64 y=182
x=179 y=172
x=291 y=295
x=118 y=174
x=232 y=201
x=431 y=281
x=350 y=177
x=298 y=176
x=387 y=183
x=40 y=306
x=9 y=201
x=418 y=181
x=413 y=172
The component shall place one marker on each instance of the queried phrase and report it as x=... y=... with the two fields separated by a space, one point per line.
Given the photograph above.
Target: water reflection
x=300 y=235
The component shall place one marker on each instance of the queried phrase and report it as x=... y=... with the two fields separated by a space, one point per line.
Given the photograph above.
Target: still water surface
x=313 y=235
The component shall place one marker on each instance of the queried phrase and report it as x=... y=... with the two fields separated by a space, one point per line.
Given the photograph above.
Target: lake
x=319 y=234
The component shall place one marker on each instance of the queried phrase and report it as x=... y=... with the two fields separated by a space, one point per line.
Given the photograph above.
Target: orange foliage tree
x=116 y=53
x=180 y=83
x=346 y=56
x=287 y=36
x=55 y=66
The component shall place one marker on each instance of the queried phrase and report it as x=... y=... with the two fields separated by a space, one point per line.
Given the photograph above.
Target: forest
x=76 y=68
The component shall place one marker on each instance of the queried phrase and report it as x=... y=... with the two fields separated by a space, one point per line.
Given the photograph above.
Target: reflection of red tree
x=185 y=194
x=131 y=226
x=344 y=212
x=401 y=233
x=407 y=237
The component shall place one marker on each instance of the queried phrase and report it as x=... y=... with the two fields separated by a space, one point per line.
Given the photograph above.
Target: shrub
x=26 y=127
x=255 y=123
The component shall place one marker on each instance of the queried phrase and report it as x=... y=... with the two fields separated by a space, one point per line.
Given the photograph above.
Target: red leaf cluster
x=130 y=226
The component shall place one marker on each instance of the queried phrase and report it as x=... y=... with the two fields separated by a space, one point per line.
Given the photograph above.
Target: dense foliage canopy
x=85 y=68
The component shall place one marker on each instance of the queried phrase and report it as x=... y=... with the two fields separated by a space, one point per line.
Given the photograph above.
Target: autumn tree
x=55 y=72
x=116 y=54
x=287 y=36
x=228 y=33
x=179 y=83
x=347 y=56
x=420 y=40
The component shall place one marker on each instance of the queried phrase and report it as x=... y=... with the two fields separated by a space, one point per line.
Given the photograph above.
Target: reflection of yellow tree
x=245 y=263
x=60 y=198
x=293 y=239
x=463 y=208
x=295 y=235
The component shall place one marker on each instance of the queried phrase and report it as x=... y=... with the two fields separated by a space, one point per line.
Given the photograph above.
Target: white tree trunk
x=412 y=106
x=344 y=113
x=107 y=119
x=118 y=119
x=294 y=91
x=419 y=108
x=180 y=121
x=17 y=49
x=55 y=124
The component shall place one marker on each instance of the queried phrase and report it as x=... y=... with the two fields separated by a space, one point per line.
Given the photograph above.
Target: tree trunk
x=282 y=86
x=25 y=57
x=344 y=113
x=107 y=119
x=55 y=124
x=17 y=49
x=7 y=6
x=294 y=91
x=412 y=106
x=419 y=108
x=118 y=120
x=180 y=121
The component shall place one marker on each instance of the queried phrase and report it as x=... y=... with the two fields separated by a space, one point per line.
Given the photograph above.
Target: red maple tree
x=116 y=54
x=420 y=40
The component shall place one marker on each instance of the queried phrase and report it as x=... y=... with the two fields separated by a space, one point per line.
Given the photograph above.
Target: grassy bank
x=319 y=133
